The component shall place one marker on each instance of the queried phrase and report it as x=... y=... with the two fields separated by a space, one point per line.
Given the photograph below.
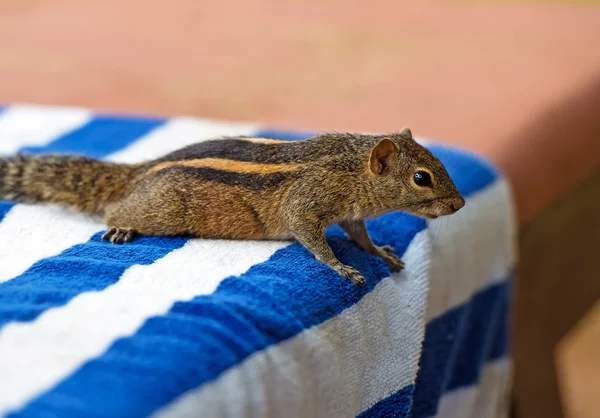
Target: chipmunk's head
x=412 y=178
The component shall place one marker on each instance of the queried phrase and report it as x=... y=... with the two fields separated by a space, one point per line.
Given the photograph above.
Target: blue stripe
x=487 y=312
x=464 y=359
x=197 y=340
x=397 y=405
x=457 y=346
x=277 y=134
x=441 y=336
x=88 y=267
x=98 y=138
x=5 y=207
x=500 y=341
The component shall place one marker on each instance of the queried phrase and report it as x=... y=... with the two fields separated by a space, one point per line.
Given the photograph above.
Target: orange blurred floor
x=450 y=70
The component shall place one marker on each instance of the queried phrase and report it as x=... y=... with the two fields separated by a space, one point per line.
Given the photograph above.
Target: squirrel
x=249 y=188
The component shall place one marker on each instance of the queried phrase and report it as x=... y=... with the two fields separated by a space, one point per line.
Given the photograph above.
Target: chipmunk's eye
x=422 y=178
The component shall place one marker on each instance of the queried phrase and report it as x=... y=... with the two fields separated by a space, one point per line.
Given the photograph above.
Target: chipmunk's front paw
x=119 y=235
x=393 y=261
x=351 y=274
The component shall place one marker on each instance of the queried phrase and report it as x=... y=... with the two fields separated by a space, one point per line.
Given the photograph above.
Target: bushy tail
x=82 y=183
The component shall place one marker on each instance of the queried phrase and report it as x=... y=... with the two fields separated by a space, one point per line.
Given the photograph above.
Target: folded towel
x=175 y=327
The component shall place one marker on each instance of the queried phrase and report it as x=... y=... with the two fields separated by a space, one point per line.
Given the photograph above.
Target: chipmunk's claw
x=119 y=235
x=393 y=261
x=351 y=274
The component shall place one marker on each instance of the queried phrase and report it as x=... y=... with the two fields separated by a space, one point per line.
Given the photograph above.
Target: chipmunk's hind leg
x=154 y=208
x=119 y=235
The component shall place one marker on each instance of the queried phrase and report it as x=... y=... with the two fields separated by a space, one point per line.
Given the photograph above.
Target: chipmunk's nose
x=457 y=204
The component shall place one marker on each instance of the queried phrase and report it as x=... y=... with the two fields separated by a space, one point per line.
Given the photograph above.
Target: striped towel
x=174 y=327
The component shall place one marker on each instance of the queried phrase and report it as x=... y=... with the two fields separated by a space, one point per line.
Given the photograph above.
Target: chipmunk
x=249 y=188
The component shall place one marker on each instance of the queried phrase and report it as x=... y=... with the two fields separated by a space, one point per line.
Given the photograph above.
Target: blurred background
x=518 y=81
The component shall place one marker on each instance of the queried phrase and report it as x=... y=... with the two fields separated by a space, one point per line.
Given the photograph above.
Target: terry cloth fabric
x=174 y=327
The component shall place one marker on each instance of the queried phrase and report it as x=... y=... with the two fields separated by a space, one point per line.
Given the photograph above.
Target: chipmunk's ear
x=406 y=133
x=383 y=156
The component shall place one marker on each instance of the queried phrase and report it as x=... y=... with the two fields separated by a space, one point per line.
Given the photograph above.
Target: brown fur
x=84 y=184
x=248 y=188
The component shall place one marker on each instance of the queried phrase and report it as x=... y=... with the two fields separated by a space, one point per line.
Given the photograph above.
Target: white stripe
x=489 y=398
x=472 y=248
x=178 y=133
x=29 y=233
x=36 y=355
x=25 y=125
x=363 y=355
